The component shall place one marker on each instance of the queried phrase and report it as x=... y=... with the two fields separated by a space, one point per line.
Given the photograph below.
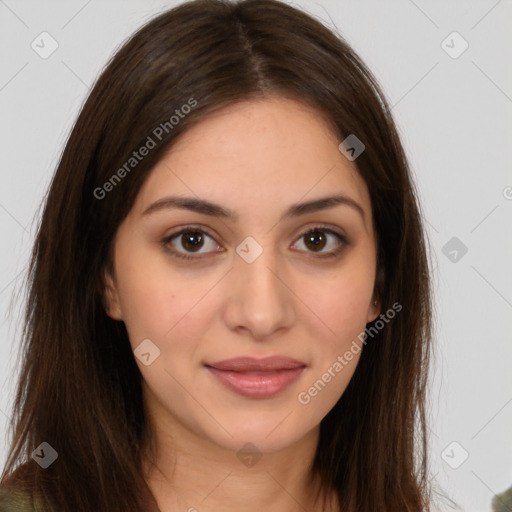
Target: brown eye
x=189 y=241
x=317 y=239
x=192 y=240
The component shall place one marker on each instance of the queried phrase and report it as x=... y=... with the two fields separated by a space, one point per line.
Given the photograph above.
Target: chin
x=266 y=435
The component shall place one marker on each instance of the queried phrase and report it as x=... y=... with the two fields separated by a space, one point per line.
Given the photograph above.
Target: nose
x=260 y=299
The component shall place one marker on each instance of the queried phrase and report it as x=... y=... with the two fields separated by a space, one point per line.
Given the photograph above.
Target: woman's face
x=245 y=279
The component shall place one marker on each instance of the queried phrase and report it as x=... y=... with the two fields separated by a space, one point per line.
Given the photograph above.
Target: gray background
x=455 y=120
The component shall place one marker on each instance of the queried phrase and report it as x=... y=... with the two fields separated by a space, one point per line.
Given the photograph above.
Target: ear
x=375 y=307
x=373 y=310
x=111 y=297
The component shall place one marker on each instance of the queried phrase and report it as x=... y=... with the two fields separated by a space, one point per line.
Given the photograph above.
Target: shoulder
x=16 y=492
x=14 y=500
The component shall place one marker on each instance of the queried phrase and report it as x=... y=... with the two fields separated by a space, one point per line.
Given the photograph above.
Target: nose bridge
x=260 y=300
x=259 y=273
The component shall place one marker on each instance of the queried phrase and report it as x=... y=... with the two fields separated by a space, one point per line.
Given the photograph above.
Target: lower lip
x=257 y=385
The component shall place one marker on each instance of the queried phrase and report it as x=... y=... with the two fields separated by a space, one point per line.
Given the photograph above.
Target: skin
x=256 y=158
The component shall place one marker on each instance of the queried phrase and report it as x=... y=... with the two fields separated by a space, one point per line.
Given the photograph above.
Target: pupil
x=193 y=240
x=313 y=239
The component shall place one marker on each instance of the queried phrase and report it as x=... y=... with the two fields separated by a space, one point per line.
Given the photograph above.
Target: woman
x=229 y=291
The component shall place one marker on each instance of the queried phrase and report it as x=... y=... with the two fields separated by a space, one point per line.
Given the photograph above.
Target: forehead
x=261 y=153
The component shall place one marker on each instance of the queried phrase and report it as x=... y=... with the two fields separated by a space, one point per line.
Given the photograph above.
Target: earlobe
x=111 y=297
x=373 y=310
x=375 y=306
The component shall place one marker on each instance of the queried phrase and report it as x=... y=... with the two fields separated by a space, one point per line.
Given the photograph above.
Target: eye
x=193 y=239
x=317 y=238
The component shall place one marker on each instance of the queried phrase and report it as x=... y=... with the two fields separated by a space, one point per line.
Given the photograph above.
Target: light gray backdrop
x=446 y=68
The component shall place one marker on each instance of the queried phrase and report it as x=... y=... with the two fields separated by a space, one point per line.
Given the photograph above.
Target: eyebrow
x=215 y=210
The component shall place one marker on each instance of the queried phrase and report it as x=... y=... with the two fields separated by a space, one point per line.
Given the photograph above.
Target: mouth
x=257 y=378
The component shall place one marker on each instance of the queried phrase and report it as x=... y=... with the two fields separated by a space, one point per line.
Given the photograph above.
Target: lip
x=257 y=378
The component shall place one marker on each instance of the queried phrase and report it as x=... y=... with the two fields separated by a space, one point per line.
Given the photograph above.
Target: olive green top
x=15 y=501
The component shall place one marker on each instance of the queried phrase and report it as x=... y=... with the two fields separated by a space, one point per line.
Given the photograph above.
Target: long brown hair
x=79 y=387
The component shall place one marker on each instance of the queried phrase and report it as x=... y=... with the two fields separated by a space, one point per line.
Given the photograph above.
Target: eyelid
x=191 y=227
x=328 y=228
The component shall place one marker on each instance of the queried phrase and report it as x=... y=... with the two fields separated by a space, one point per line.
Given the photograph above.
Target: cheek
x=342 y=300
x=343 y=308
x=160 y=302
x=341 y=303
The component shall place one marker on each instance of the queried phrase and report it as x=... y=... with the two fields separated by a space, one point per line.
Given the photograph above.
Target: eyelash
x=321 y=228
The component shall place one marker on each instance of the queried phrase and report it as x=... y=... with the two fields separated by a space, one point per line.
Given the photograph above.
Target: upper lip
x=251 y=364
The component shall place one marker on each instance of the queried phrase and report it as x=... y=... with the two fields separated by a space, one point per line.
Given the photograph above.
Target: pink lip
x=257 y=378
